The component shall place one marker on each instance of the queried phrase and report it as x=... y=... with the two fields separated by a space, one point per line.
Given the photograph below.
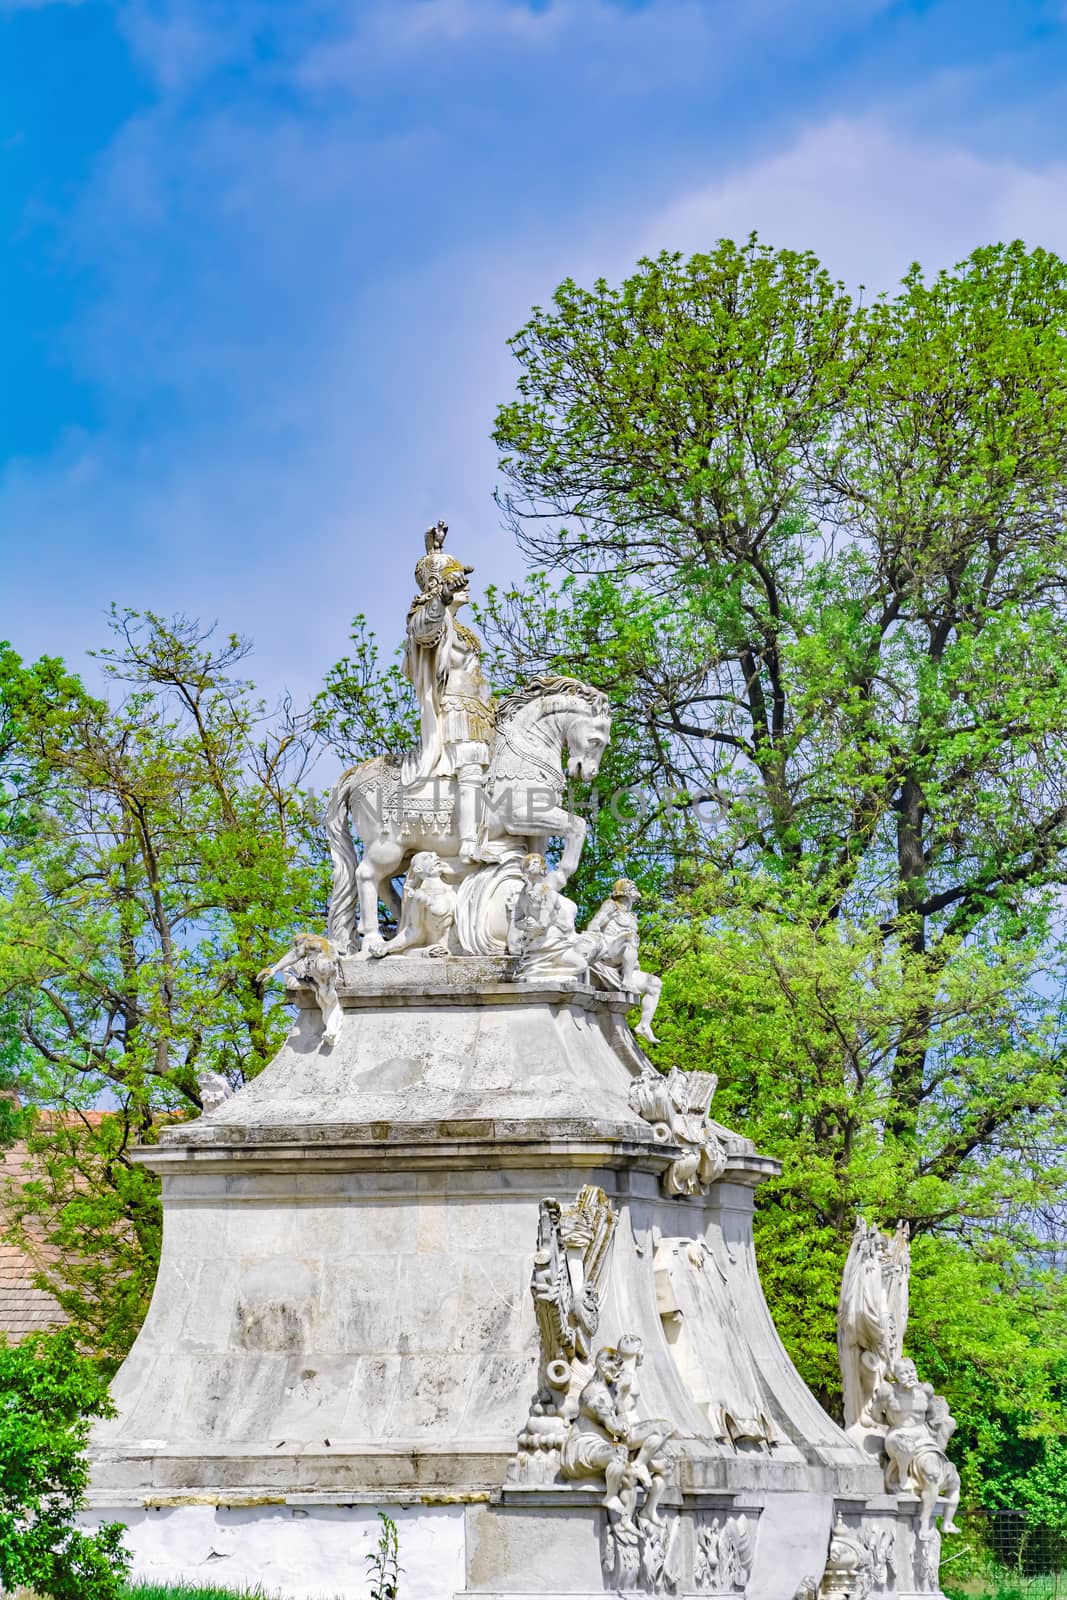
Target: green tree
x=821 y=548
x=158 y=847
x=48 y=1396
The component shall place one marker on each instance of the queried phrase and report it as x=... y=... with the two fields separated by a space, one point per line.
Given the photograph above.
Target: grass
x=1007 y=1585
x=190 y=1591
x=193 y=1591
x=176 y=1591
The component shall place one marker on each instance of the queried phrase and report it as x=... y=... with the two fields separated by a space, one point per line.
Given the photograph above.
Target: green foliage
x=815 y=550
x=364 y=708
x=183 y=1591
x=48 y=1395
x=157 y=851
x=384 y=1562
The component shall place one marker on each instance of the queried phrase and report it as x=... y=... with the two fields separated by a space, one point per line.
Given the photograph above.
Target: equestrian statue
x=482 y=788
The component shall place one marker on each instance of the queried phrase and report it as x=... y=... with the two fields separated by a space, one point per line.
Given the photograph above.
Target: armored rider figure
x=442 y=659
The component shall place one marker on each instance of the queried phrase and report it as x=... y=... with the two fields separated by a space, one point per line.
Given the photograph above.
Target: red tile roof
x=23 y=1307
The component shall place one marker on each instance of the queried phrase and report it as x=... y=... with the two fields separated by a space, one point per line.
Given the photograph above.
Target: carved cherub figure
x=919 y=1426
x=609 y=1440
x=311 y=959
x=597 y=1444
x=541 y=929
x=647 y=1436
x=616 y=958
x=427 y=911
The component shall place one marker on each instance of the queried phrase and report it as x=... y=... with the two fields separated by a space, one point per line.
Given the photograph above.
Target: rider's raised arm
x=427 y=622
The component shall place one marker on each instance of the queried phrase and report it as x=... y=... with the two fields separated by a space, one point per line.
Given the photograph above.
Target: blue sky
x=260 y=260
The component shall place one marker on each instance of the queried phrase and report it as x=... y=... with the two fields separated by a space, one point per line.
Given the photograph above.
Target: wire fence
x=1008 y=1558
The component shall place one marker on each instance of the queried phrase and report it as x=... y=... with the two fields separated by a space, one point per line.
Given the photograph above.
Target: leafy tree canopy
x=157 y=847
x=816 y=550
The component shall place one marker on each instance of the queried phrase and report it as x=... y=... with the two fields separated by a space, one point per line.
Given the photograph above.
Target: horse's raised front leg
x=572 y=831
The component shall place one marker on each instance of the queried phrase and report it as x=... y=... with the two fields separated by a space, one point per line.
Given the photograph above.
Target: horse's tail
x=344 y=893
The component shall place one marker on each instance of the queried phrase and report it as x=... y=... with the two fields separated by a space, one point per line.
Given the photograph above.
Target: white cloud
x=633 y=50
x=869 y=201
x=295 y=374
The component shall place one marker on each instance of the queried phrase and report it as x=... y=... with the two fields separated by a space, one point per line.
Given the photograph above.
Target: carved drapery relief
x=691 y=1298
x=872 y=1316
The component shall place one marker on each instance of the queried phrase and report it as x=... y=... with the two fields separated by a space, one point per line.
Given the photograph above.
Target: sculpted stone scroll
x=677 y=1107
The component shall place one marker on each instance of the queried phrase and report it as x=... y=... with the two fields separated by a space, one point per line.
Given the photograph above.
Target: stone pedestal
x=343 y=1319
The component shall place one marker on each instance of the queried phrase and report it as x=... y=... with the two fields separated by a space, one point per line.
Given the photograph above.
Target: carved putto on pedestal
x=585 y=1426
x=541 y=931
x=312 y=961
x=615 y=958
x=885 y=1403
x=918 y=1426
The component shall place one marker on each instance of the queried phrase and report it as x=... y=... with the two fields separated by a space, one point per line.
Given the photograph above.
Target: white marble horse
x=521 y=803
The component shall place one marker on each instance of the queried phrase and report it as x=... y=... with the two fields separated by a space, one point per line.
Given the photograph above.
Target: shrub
x=48 y=1395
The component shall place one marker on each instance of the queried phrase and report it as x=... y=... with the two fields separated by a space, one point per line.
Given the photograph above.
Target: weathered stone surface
x=303 y=1551
x=438 y=1045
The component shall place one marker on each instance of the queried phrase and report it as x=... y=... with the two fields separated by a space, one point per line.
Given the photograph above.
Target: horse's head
x=587 y=739
x=562 y=711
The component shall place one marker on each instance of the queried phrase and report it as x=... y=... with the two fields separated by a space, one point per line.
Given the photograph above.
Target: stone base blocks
x=437 y=1265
